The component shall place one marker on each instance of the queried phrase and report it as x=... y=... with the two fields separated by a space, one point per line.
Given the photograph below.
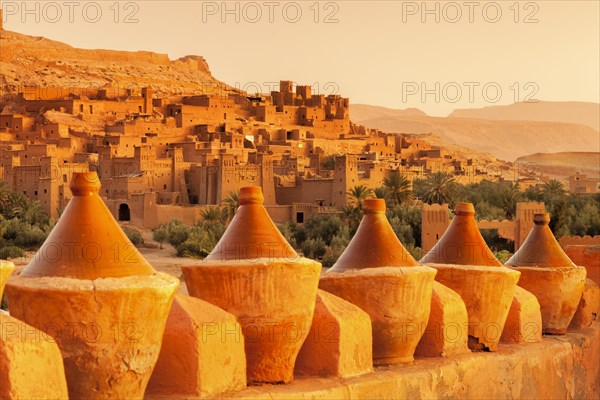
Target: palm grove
x=24 y=225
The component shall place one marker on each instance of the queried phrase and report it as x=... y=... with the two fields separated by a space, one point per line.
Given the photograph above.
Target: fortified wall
x=584 y=250
x=197 y=149
x=436 y=218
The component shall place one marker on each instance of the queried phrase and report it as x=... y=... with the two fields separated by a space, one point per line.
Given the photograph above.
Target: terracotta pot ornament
x=462 y=243
x=256 y=275
x=548 y=273
x=31 y=367
x=377 y=274
x=91 y=290
x=6 y=268
x=466 y=265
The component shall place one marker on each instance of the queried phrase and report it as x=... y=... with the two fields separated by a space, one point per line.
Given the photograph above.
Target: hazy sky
x=436 y=56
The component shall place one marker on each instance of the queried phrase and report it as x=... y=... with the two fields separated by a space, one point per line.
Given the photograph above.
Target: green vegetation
x=9 y=251
x=439 y=188
x=134 y=236
x=571 y=214
x=232 y=202
x=320 y=237
x=25 y=226
x=397 y=188
x=324 y=237
x=502 y=255
x=23 y=223
x=191 y=241
x=358 y=194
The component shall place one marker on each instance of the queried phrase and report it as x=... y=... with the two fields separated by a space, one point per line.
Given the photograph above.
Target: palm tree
x=553 y=193
x=231 y=204
x=553 y=188
x=15 y=204
x=381 y=193
x=352 y=216
x=34 y=214
x=398 y=187
x=439 y=188
x=211 y=214
x=358 y=194
x=4 y=196
x=510 y=195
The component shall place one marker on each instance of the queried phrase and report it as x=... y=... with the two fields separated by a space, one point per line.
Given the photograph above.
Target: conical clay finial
x=540 y=249
x=462 y=242
x=375 y=243
x=87 y=242
x=251 y=233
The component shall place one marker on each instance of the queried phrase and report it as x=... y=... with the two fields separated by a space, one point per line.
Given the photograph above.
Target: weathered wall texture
x=560 y=367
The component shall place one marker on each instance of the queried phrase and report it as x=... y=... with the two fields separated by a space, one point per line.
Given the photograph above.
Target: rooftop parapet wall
x=256 y=275
x=556 y=368
x=579 y=240
x=587 y=256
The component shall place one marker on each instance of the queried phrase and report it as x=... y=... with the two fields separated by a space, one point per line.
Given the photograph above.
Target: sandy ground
x=164 y=260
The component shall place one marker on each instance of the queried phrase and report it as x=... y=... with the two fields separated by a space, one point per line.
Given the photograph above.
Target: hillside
x=360 y=112
x=40 y=62
x=506 y=140
x=572 y=112
x=35 y=61
x=564 y=164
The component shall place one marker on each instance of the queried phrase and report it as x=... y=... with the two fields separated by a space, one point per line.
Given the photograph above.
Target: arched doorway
x=124 y=213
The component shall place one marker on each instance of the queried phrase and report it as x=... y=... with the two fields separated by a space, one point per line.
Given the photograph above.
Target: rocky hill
x=506 y=140
x=572 y=112
x=40 y=62
x=564 y=164
x=361 y=112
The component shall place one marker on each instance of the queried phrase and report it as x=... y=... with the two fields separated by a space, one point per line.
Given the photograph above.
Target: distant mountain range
x=571 y=112
x=507 y=135
x=564 y=164
x=361 y=112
